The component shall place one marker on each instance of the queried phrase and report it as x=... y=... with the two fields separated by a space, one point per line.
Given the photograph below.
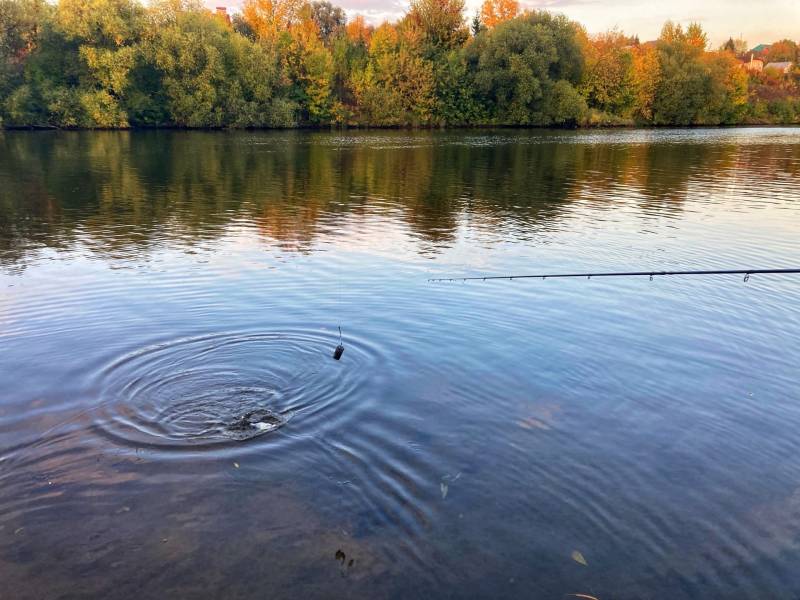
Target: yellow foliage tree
x=494 y=12
x=311 y=65
x=696 y=37
x=728 y=94
x=268 y=18
x=439 y=23
x=384 y=39
x=608 y=79
x=397 y=85
x=646 y=77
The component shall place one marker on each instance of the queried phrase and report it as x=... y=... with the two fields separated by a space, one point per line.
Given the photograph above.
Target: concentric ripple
x=228 y=388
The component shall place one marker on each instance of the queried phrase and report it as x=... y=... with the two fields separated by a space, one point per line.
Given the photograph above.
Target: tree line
x=288 y=63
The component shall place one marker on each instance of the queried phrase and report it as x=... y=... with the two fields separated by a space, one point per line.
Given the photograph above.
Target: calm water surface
x=155 y=287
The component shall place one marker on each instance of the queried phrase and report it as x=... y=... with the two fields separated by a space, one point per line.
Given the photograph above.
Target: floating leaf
x=578 y=558
x=533 y=423
x=236 y=465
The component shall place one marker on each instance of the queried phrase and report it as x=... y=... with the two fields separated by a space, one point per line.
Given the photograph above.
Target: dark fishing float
x=746 y=272
x=337 y=354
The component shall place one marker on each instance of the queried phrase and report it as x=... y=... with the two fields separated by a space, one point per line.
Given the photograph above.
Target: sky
x=757 y=21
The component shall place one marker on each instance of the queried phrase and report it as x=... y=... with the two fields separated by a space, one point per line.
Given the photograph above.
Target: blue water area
x=618 y=438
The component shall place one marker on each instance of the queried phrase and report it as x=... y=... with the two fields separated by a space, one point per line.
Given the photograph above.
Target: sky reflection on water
x=473 y=436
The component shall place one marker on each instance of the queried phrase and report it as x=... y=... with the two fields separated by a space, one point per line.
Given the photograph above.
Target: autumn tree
x=494 y=12
x=696 y=36
x=209 y=75
x=440 y=22
x=693 y=35
x=695 y=87
x=269 y=18
x=21 y=24
x=646 y=81
x=608 y=76
x=783 y=51
x=310 y=65
x=396 y=86
x=79 y=73
x=358 y=31
x=727 y=96
x=119 y=63
x=107 y=33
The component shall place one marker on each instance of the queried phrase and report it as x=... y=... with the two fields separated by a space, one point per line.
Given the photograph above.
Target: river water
x=620 y=438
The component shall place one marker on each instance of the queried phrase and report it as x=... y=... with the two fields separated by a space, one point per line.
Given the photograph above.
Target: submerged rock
x=254 y=423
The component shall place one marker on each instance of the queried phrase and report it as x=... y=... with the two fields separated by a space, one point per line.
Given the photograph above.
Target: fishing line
x=746 y=272
x=339 y=350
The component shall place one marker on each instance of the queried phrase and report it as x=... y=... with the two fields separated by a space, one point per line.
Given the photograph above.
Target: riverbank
x=126 y=64
x=477 y=127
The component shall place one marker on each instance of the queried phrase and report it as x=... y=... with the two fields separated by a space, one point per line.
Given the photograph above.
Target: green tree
x=456 y=102
x=684 y=85
x=476 y=26
x=107 y=35
x=213 y=77
x=21 y=25
x=78 y=74
x=517 y=65
x=736 y=47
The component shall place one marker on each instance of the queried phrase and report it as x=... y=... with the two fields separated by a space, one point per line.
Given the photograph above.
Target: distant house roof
x=760 y=48
x=781 y=66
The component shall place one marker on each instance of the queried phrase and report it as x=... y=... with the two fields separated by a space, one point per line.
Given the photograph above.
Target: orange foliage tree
x=268 y=18
x=494 y=12
x=358 y=31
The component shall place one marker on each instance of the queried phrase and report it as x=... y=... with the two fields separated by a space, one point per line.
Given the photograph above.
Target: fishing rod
x=746 y=272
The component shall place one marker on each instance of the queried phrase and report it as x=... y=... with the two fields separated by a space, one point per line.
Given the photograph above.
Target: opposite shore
x=120 y=64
